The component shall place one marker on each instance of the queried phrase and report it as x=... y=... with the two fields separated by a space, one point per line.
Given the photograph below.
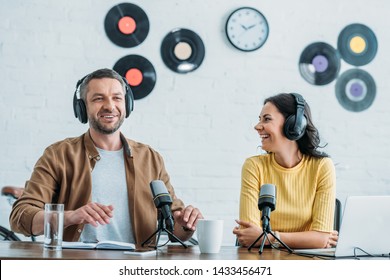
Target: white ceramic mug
x=209 y=233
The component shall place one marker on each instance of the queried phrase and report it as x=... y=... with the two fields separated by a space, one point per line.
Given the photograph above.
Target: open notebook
x=365 y=226
x=110 y=245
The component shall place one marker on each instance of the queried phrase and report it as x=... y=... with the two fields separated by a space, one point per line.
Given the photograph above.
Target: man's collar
x=92 y=151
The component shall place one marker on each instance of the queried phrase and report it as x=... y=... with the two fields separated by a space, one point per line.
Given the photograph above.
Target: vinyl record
x=139 y=73
x=319 y=63
x=182 y=50
x=355 y=90
x=126 y=25
x=357 y=44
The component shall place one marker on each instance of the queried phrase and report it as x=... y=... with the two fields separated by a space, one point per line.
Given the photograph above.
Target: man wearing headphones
x=304 y=177
x=101 y=177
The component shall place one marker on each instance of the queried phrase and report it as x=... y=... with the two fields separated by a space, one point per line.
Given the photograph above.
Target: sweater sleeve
x=250 y=188
x=324 y=202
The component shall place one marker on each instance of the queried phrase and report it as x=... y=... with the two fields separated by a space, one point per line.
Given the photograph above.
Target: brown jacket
x=63 y=175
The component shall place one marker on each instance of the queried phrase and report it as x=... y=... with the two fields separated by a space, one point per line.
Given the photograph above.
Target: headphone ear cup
x=80 y=111
x=291 y=131
x=129 y=101
x=79 y=108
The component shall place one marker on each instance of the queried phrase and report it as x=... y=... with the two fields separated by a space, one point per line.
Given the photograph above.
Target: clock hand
x=249 y=27
x=244 y=27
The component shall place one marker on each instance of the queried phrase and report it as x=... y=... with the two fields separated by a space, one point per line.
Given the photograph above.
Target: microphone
x=162 y=201
x=266 y=203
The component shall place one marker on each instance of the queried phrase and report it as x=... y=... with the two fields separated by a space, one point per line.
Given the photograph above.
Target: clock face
x=247 y=29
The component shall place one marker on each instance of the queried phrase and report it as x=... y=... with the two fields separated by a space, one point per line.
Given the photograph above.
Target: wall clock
x=247 y=29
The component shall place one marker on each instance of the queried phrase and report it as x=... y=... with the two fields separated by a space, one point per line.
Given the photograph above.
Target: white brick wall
x=201 y=122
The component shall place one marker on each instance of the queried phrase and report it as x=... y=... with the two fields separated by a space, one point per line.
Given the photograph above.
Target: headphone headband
x=299 y=99
x=295 y=125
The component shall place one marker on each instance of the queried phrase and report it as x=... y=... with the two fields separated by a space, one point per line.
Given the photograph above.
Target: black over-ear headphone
x=295 y=125
x=80 y=110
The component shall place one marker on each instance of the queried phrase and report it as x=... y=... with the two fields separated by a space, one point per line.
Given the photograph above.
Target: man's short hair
x=99 y=74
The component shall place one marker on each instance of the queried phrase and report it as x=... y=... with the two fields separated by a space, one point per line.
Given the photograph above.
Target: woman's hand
x=333 y=237
x=247 y=234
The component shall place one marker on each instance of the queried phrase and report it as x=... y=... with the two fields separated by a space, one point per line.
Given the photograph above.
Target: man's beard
x=95 y=124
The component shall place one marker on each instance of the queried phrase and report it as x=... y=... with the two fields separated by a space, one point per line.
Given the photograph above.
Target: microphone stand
x=162 y=228
x=267 y=230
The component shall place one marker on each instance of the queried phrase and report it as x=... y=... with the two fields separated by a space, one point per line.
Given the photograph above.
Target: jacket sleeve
x=177 y=204
x=38 y=190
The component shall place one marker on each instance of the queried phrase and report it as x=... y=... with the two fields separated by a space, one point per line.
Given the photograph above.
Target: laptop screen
x=365 y=226
x=364 y=229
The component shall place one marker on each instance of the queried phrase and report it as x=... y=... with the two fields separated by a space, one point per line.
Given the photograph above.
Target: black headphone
x=295 y=125
x=80 y=110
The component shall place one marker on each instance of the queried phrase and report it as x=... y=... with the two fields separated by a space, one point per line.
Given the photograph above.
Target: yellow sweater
x=305 y=194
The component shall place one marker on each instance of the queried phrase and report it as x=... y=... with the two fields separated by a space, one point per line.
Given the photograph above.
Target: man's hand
x=188 y=217
x=91 y=213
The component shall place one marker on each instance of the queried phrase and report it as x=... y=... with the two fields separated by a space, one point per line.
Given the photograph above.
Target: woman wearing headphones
x=303 y=176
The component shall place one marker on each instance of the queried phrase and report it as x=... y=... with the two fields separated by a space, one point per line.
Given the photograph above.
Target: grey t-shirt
x=109 y=188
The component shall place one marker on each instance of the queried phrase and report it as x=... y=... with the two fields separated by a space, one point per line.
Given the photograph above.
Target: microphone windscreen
x=268 y=190
x=267 y=197
x=158 y=187
x=160 y=193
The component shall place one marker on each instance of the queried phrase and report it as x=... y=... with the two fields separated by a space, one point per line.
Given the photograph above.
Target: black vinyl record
x=319 y=63
x=355 y=90
x=182 y=50
x=357 y=44
x=139 y=73
x=126 y=25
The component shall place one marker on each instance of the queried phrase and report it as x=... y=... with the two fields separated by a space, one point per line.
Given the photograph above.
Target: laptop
x=364 y=229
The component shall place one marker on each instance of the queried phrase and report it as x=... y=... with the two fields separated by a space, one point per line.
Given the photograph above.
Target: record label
x=319 y=63
x=126 y=25
x=182 y=51
x=357 y=44
x=355 y=90
x=134 y=77
x=139 y=73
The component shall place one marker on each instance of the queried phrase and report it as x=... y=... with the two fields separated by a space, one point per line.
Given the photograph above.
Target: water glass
x=53 y=226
